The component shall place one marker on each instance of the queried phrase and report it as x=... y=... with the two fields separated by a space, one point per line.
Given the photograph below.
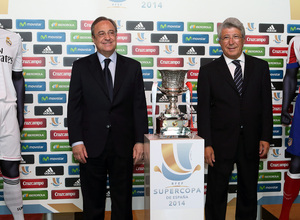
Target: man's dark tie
x=238 y=78
x=108 y=79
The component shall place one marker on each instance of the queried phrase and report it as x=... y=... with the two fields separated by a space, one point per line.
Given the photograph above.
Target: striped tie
x=238 y=79
x=108 y=79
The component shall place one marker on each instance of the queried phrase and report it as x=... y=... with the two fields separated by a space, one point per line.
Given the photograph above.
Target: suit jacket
x=91 y=114
x=221 y=111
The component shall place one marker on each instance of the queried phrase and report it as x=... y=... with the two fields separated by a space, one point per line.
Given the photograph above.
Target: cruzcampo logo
x=4 y=7
x=34 y=135
x=200 y=26
x=81 y=37
x=176 y=170
x=145 y=62
x=34 y=73
x=62 y=24
x=35 y=195
x=276 y=63
x=60 y=146
x=254 y=51
x=269 y=176
x=122 y=49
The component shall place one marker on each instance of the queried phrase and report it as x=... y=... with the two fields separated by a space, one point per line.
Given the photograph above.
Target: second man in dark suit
x=235 y=119
x=107 y=120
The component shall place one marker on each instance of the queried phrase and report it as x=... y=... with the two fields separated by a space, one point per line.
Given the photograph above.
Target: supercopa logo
x=176 y=165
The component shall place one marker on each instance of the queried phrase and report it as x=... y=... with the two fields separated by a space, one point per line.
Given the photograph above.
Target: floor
x=269 y=212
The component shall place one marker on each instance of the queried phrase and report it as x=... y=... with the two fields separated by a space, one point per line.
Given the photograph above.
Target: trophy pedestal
x=172 y=126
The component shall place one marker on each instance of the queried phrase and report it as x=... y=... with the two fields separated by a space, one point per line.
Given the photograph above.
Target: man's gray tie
x=238 y=78
x=108 y=79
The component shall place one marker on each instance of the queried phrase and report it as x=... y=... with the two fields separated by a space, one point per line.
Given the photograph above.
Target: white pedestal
x=174 y=178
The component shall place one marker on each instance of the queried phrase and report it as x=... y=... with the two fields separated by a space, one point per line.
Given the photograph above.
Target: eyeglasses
x=102 y=34
x=234 y=38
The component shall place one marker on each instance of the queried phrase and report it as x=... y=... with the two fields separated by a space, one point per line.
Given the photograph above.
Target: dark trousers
x=93 y=177
x=217 y=186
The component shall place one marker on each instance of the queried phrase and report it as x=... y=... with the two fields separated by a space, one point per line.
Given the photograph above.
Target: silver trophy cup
x=172 y=122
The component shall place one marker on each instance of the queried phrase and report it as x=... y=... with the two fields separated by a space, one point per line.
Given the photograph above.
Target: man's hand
x=286 y=118
x=264 y=147
x=209 y=155
x=138 y=152
x=79 y=152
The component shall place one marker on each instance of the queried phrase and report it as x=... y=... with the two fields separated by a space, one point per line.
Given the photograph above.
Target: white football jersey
x=10 y=60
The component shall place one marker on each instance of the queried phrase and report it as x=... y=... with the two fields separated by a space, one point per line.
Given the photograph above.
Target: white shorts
x=10 y=146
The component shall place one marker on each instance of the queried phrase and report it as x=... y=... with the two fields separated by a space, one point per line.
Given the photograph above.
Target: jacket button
x=108 y=126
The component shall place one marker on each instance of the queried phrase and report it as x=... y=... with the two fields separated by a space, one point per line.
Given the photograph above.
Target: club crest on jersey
x=8 y=41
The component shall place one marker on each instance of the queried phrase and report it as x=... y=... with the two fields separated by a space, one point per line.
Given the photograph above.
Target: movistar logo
x=44 y=37
x=73 y=49
x=45 y=159
x=45 y=98
x=188 y=38
x=22 y=24
x=163 y=26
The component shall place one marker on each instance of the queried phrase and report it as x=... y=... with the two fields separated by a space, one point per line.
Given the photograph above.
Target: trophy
x=172 y=122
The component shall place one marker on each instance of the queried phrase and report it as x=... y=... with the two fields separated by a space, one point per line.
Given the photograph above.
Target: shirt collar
x=241 y=59
x=113 y=57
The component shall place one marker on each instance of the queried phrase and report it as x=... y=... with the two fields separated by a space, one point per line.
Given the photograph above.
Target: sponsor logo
x=271 y=28
x=278 y=165
x=86 y=24
x=138 y=168
x=170 y=26
x=293 y=28
x=204 y=61
x=270 y=187
x=60 y=146
x=278 y=51
x=182 y=108
x=65 y=194
x=256 y=39
x=48 y=110
x=56 y=182
x=195 y=38
x=250 y=27
x=52 y=158
x=170 y=62
x=145 y=50
x=5 y=23
x=28 y=99
x=26 y=36
x=59 y=134
x=51 y=36
x=60 y=73
x=200 y=26
x=149 y=110
x=192 y=74
x=34 y=147
x=30 y=24
x=81 y=37
x=276 y=74
x=34 y=183
x=275 y=153
x=25 y=170
x=80 y=49
x=139 y=25
x=254 y=51
x=277 y=96
x=55 y=122
x=59 y=86
x=72 y=182
x=33 y=135
x=73 y=170
x=122 y=49
x=148 y=86
x=27 y=159
x=276 y=120
x=62 y=24
x=233 y=177
x=168 y=49
x=277 y=131
x=215 y=51
x=141 y=37
x=269 y=176
x=164 y=38
x=137 y=180
x=137 y=192
x=277 y=39
x=276 y=85
x=35 y=195
x=35 y=123
x=54 y=60
x=123 y=38
x=49 y=171
x=34 y=73
x=35 y=86
x=194 y=50
x=192 y=61
x=276 y=142
x=147 y=73
x=193 y=99
x=52 y=98
x=33 y=61
x=145 y=62
x=276 y=63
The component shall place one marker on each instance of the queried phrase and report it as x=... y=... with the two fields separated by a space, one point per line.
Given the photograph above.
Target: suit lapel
x=224 y=70
x=97 y=73
x=248 y=71
x=120 y=73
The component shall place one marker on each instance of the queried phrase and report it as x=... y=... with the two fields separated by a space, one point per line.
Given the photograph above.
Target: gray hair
x=230 y=23
x=102 y=18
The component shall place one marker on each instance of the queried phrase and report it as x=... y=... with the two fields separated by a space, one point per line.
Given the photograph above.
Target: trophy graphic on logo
x=172 y=122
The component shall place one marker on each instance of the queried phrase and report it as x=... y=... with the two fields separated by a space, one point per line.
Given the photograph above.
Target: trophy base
x=177 y=127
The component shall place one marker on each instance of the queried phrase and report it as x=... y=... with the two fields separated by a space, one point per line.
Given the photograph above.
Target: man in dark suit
x=107 y=120
x=235 y=119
